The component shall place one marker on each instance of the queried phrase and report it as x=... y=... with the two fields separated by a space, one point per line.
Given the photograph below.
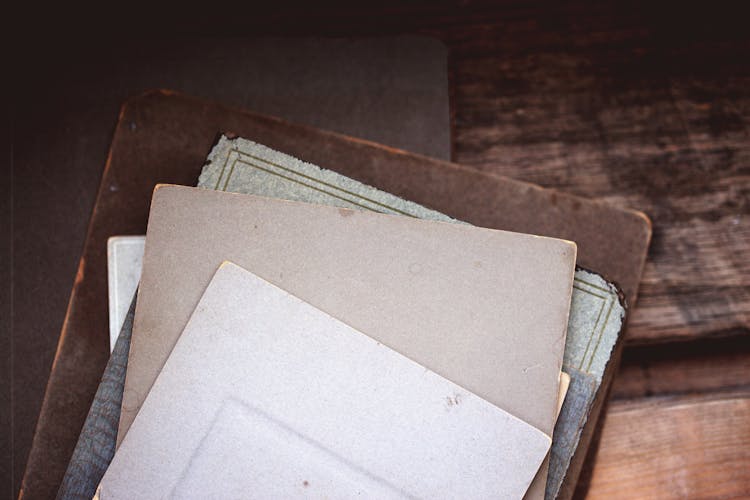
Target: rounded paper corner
x=225 y=264
x=161 y=189
x=570 y=249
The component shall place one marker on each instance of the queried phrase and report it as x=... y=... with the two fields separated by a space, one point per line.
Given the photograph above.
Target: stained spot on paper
x=454 y=400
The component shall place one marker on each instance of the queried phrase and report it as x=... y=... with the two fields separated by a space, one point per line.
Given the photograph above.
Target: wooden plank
x=606 y=103
x=684 y=368
x=685 y=447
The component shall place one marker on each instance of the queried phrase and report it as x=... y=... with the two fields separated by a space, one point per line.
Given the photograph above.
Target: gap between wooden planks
x=675 y=447
x=683 y=368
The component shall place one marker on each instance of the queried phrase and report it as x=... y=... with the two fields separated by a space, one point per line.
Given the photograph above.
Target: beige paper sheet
x=483 y=308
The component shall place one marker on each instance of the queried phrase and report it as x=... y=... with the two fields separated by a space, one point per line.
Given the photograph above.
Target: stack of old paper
x=292 y=349
x=243 y=166
x=477 y=342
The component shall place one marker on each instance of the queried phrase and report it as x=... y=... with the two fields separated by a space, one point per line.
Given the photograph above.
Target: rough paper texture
x=96 y=443
x=596 y=317
x=570 y=425
x=595 y=323
x=242 y=166
x=265 y=393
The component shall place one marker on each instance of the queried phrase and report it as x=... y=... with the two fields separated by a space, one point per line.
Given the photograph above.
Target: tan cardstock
x=486 y=309
x=564 y=385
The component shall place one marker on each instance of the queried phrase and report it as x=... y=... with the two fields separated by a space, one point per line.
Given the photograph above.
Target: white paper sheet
x=266 y=396
x=124 y=263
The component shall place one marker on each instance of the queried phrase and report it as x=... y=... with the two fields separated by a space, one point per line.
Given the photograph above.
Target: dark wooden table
x=645 y=106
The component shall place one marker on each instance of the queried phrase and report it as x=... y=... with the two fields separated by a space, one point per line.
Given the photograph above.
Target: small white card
x=266 y=396
x=124 y=263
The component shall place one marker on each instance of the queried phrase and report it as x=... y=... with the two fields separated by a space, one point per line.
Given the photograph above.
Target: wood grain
x=684 y=368
x=602 y=106
x=688 y=447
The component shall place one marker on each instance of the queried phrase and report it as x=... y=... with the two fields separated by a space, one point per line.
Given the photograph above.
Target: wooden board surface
x=685 y=447
x=685 y=368
x=679 y=423
x=603 y=102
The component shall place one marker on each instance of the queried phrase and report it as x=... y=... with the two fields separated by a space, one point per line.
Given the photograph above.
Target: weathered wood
x=600 y=106
x=684 y=368
x=688 y=447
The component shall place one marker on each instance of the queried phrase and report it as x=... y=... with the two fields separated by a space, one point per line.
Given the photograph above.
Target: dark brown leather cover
x=164 y=137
